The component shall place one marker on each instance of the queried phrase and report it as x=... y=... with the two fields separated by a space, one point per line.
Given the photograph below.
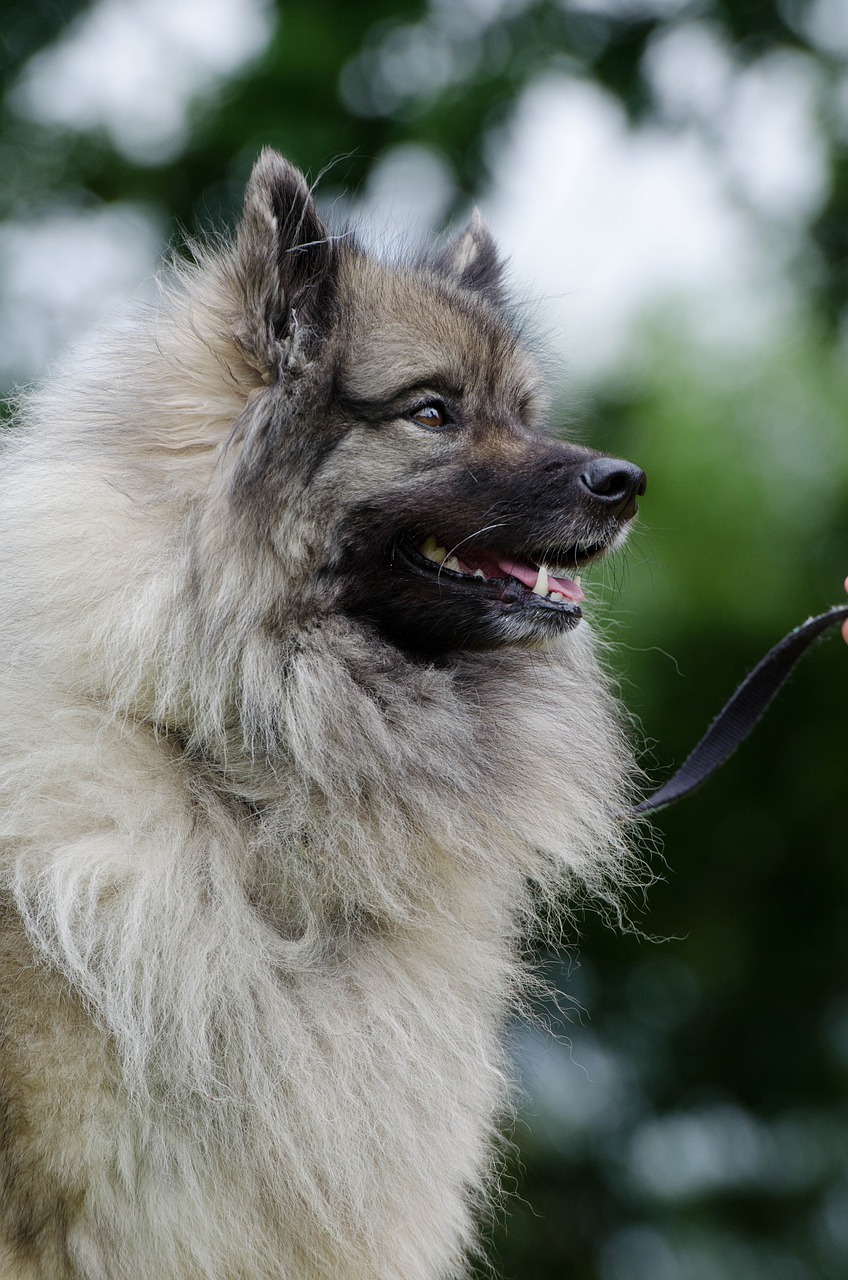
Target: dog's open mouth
x=504 y=577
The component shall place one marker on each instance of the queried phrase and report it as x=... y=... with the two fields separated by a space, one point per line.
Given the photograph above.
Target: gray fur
x=264 y=874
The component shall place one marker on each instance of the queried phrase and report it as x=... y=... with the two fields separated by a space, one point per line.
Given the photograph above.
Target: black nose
x=615 y=483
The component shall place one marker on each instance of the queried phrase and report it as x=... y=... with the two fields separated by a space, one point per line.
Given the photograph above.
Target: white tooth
x=478 y=573
x=577 y=579
x=454 y=564
x=541 y=587
x=429 y=549
x=557 y=595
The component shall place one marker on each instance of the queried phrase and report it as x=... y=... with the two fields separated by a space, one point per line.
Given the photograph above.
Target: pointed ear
x=285 y=260
x=472 y=259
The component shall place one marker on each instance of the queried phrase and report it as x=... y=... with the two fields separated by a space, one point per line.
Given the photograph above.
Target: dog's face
x=451 y=519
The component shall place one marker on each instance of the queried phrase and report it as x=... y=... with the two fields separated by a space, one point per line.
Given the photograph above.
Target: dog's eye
x=433 y=415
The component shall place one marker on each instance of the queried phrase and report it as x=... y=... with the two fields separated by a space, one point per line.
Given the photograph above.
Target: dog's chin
x=428 y=603
x=432 y=625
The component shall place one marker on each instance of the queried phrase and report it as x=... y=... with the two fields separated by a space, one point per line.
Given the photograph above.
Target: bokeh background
x=669 y=179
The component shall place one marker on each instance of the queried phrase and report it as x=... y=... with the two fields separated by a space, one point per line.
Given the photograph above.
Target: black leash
x=743 y=711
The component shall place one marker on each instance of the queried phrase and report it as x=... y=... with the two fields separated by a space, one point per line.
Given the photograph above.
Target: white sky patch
x=775 y=151
x=62 y=273
x=696 y=1153
x=135 y=67
x=602 y=221
x=407 y=197
x=411 y=61
x=690 y=1154
x=605 y=222
x=826 y=23
x=761 y=118
x=690 y=69
x=630 y=8
x=475 y=15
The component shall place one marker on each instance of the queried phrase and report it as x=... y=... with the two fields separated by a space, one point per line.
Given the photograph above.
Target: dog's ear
x=473 y=260
x=285 y=261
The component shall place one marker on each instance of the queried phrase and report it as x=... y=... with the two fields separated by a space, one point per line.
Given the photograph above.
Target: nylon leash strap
x=742 y=712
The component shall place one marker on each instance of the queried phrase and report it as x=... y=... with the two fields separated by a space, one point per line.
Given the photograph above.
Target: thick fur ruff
x=265 y=867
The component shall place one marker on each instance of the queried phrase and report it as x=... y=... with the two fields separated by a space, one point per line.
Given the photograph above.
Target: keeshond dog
x=300 y=728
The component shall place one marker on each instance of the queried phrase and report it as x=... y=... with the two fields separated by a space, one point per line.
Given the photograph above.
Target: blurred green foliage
x=707 y=1136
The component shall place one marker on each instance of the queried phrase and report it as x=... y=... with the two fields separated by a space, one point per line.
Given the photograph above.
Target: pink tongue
x=529 y=575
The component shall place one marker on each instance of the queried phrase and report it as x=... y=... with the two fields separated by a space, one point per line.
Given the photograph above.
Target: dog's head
x=402 y=426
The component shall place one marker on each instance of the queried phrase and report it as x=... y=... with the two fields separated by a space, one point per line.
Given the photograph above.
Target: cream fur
x=266 y=879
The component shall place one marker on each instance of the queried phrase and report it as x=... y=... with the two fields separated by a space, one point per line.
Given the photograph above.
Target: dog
x=301 y=730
